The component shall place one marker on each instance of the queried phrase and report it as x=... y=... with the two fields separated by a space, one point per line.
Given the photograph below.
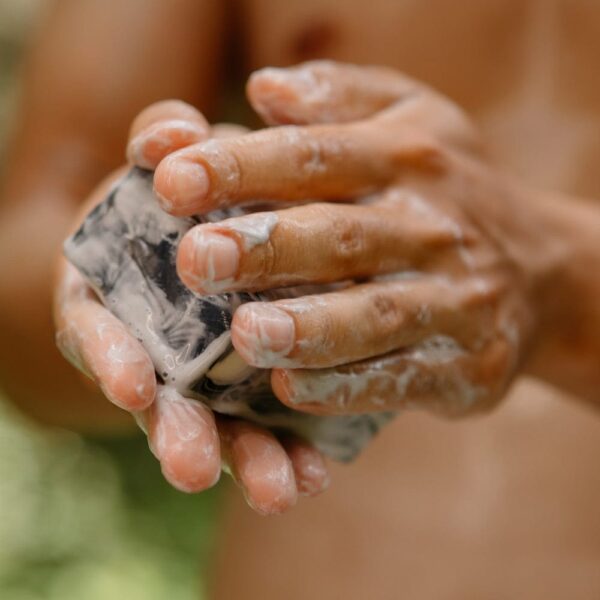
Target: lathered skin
x=500 y=506
x=126 y=250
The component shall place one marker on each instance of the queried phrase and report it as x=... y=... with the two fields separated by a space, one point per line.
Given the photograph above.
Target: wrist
x=560 y=253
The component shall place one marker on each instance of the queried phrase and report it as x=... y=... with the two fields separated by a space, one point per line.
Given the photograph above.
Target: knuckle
x=341 y=232
x=348 y=237
x=269 y=260
x=326 y=326
x=314 y=150
x=431 y=153
x=420 y=150
x=235 y=173
x=386 y=313
x=223 y=160
x=470 y=237
x=312 y=155
x=481 y=292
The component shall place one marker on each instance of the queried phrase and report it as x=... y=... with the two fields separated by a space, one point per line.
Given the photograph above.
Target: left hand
x=437 y=309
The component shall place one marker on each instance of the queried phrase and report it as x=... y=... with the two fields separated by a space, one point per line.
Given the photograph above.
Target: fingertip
x=116 y=361
x=164 y=110
x=133 y=392
x=183 y=436
x=181 y=185
x=284 y=388
x=262 y=500
x=281 y=386
x=310 y=470
x=179 y=471
x=127 y=375
x=207 y=261
x=270 y=91
x=297 y=95
x=263 y=334
x=270 y=489
x=261 y=467
x=155 y=142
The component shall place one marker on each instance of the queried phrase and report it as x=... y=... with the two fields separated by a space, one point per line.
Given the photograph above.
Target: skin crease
x=436 y=492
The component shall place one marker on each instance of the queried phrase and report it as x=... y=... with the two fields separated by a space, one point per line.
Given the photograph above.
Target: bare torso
x=502 y=506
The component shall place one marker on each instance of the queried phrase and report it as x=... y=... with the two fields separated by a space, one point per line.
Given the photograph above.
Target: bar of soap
x=126 y=250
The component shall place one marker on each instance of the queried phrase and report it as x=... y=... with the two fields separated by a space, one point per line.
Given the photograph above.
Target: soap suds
x=254 y=229
x=126 y=249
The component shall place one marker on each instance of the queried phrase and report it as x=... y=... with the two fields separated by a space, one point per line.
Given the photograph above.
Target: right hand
x=190 y=442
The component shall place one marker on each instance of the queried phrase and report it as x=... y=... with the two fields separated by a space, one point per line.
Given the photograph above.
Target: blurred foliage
x=17 y=17
x=85 y=519
x=94 y=519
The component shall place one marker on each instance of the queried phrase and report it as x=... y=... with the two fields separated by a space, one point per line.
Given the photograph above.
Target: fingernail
x=315 y=482
x=209 y=257
x=312 y=476
x=141 y=419
x=180 y=185
x=149 y=146
x=268 y=485
x=263 y=334
x=288 y=84
x=273 y=78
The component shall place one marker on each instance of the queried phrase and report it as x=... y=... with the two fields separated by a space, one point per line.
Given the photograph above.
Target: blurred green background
x=80 y=518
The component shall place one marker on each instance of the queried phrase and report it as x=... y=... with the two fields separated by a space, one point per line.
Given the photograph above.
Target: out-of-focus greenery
x=89 y=519
x=16 y=19
x=84 y=519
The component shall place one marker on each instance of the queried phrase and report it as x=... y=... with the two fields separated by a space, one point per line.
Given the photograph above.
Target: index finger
x=290 y=163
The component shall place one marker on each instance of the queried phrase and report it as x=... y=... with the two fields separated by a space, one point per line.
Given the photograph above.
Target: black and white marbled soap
x=126 y=250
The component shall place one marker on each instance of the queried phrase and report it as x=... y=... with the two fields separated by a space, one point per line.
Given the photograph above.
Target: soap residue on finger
x=254 y=229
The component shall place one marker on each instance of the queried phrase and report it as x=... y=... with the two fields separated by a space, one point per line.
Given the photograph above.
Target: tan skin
x=538 y=282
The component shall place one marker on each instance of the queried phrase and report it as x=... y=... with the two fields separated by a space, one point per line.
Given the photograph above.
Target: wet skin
x=527 y=101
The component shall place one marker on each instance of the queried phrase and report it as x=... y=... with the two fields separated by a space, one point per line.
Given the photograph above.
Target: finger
x=325 y=91
x=359 y=322
x=164 y=136
x=183 y=436
x=166 y=110
x=437 y=374
x=97 y=343
x=330 y=92
x=310 y=471
x=162 y=128
x=290 y=163
x=268 y=250
x=260 y=466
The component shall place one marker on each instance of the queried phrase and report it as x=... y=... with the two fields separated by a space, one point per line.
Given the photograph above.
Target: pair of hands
x=435 y=308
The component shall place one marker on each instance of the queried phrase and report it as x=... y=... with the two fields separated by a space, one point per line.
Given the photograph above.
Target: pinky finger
x=310 y=470
x=260 y=466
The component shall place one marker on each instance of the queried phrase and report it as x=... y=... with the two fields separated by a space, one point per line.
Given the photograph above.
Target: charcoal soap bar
x=126 y=250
